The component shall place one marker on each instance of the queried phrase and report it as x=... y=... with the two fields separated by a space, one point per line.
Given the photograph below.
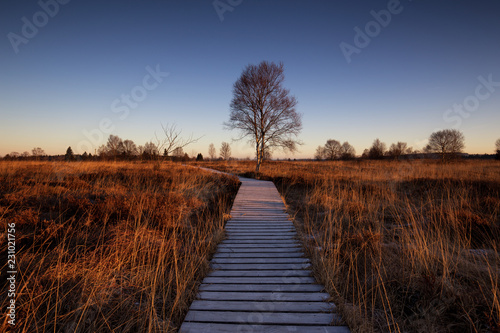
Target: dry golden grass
x=109 y=247
x=408 y=246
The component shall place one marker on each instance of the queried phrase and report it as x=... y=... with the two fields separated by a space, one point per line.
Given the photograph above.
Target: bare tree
x=150 y=150
x=377 y=150
x=37 y=152
x=448 y=142
x=178 y=152
x=129 y=148
x=173 y=139
x=212 y=152
x=114 y=146
x=320 y=153
x=102 y=151
x=347 y=151
x=263 y=111
x=398 y=149
x=25 y=154
x=366 y=153
x=225 y=151
x=332 y=149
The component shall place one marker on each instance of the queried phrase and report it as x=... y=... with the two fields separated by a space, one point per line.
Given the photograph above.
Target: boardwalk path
x=261 y=281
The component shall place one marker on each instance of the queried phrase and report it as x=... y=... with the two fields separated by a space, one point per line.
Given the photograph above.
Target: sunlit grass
x=408 y=246
x=109 y=247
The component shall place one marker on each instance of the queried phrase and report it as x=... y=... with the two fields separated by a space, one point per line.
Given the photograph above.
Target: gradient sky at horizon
x=63 y=82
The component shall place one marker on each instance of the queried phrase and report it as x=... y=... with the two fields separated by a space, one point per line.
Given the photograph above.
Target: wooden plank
x=259 y=249
x=260 y=211
x=260 y=241
x=294 y=254
x=263 y=225
x=261 y=220
x=261 y=237
x=261 y=318
x=271 y=261
x=254 y=229
x=260 y=267
x=255 y=218
x=262 y=287
x=259 y=233
x=289 y=234
x=259 y=273
x=194 y=327
x=262 y=296
x=264 y=306
x=295 y=245
x=257 y=280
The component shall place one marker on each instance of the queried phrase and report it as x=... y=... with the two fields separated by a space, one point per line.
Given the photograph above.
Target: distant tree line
x=396 y=151
x=118 y=149
x=334 y=150
x=114 y=149
x=446 y=144
x=37 y=153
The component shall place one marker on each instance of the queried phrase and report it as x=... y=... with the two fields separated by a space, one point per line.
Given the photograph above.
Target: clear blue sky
x=69 y=76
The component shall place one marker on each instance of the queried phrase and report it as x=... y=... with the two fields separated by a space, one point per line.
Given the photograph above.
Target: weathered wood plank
x=264 y=306
x=260 y=241
x=263 y=296
x=194 y=327
x=264 y=280
x=261 y=237
x=258 y=231
x=249 y=273
x=248 y=230
x=261 y=287
x=261 y=318
x=254 y=228
x=291 y=254
x=261 y=221
x=259 y=249
x=261 y=267
x=255 y=218
x=271 y=261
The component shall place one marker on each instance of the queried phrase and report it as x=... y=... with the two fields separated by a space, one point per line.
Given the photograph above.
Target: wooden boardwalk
x=260 y=281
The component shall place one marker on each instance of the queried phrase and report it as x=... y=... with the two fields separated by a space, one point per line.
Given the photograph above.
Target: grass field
x=121 y=246
x=108 y=246
x=408 y=246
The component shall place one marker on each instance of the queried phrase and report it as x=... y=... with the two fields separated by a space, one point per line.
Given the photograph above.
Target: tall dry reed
x=109 y=247
x=408 y=246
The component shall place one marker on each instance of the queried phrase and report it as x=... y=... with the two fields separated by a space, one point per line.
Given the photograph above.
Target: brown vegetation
x=105 y=246
x=407 y=246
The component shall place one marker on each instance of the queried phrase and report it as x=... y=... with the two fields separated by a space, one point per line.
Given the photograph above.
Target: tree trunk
x=259 y=161
x=260 y=155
